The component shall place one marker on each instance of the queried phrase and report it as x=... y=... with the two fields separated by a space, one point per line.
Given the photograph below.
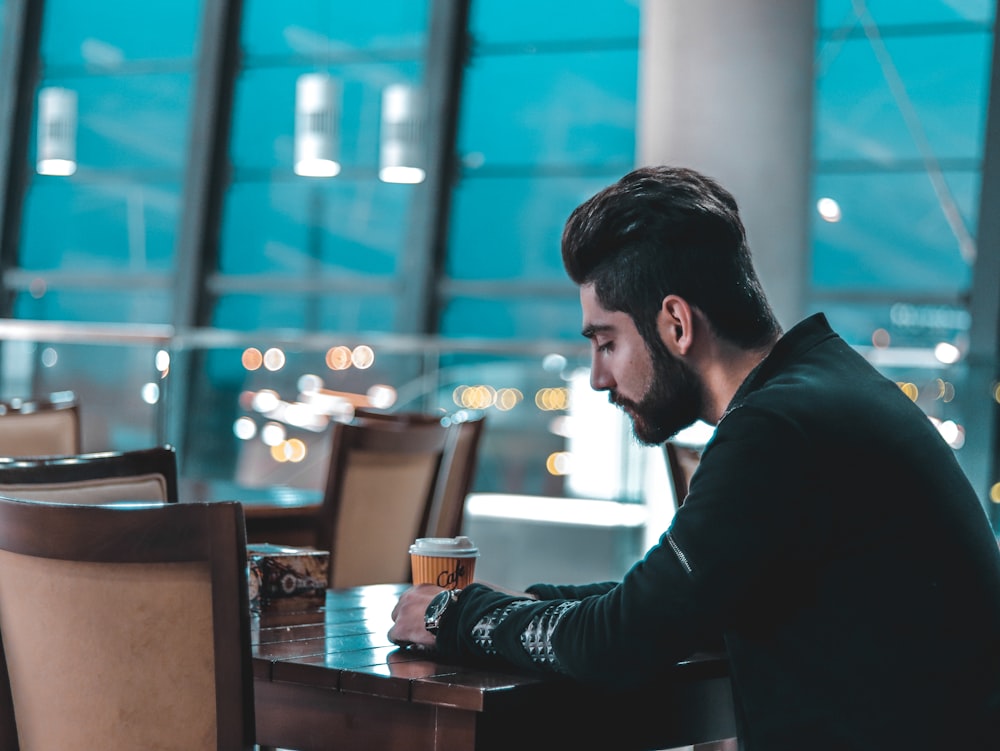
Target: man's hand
x=408 y=617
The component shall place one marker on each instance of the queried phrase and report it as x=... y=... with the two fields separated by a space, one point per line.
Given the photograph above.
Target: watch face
x=436 y=608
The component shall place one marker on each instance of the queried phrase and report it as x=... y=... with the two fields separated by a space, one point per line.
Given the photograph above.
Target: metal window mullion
x=19 y=74
x=979 y=457
x=207 y=171
x=424 y=255
x=206 y=179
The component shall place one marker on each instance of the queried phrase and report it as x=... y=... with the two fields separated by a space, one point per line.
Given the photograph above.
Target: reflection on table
x=329 y=678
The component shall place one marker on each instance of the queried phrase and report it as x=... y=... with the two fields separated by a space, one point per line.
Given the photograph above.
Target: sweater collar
x=801 y=337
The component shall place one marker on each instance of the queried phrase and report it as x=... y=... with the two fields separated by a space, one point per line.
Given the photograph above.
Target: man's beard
x=673 y=401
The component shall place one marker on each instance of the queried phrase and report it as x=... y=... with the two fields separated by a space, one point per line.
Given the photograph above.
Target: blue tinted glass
x=526 y=22
x=905 y=324
x=264 y=115
x=227 y=365
x=322 y=27
x=115 y=226
x=97 y=305
x=130 y=123
x=102 y=35
x=898 y=232
x=281 y=225
x=840 y=13
x=314 y=226
x=550 y=110
x=533 y=318
x=510 y=228
x=903 y=103
x=350 y=313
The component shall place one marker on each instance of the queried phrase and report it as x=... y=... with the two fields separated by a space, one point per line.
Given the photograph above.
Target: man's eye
x=605 y=347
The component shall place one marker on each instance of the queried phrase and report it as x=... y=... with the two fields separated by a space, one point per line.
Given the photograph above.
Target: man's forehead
x=595 y=316
x=589 y=302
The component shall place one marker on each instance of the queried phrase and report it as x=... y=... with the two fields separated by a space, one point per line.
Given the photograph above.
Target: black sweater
x=832 y=540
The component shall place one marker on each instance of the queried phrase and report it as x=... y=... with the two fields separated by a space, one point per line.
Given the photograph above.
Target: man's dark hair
x=669 y=230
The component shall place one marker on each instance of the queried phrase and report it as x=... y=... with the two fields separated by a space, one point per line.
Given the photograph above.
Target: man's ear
x=675 y=324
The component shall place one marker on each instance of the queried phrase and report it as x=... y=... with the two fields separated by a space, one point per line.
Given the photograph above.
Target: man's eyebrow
x=594 y=329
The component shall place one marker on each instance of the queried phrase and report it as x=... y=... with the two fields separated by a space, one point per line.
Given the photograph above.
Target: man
x=829 y=536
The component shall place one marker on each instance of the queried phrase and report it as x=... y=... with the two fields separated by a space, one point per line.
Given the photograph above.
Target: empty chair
x=43 y=426
x=139 y=475
x=458 y=466
x=377 y=498
x=124 y=627
x=458 y=470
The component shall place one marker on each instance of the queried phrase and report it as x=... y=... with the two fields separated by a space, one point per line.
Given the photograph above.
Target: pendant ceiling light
x=56 y=131
x=401 y=157
x=317 y=123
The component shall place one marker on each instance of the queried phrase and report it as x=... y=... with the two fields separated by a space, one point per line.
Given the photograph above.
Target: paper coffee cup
x=448 y=562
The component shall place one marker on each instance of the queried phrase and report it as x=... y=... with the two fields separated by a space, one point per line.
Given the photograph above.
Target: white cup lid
x=455 y=547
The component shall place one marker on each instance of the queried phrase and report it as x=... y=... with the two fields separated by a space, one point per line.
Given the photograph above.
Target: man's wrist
x=437 y=608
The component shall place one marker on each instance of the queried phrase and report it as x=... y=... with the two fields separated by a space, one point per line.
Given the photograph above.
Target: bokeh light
x=150 y=393
x=274 y=359
x=252 y=358
x=272 y=433
x=244 y=428
x=828 y=209
x=338 y=358
x=363 y=357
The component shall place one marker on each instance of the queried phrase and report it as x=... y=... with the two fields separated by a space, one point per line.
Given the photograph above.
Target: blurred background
x=225 y=222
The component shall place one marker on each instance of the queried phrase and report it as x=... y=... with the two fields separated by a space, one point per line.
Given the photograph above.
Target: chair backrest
x=458 y=466
x=458 y=470
x=124 y=627
x=362 y=414
x=378 y=492
x=44 y=426
x=108 y=477
x=682 y=461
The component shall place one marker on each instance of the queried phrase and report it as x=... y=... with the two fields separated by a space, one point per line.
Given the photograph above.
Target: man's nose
x=600 y=379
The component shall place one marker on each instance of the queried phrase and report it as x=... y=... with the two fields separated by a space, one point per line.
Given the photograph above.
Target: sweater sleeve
x=569 y=591
x=678 y=599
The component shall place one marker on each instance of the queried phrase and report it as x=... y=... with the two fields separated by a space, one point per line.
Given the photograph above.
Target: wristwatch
x=436 y=608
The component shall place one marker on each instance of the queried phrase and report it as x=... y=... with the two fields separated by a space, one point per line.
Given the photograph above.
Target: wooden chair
x=138 y=475
x=458 y=470
x=124 y=627
x=458 y=466
x=377 y=497
x=44 y=426
x=682 y=461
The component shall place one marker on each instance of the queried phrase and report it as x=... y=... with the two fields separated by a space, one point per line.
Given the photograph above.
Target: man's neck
x=723 y=373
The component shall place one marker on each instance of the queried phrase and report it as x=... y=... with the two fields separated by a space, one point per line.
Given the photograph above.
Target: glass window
x=109 y=151
x=112 y=33
x=894 y=235
x=843 y=13
x=548 y=117
x=898 y=147
x=3 y=22
x=536 y=317
x=531 y=152
x=118 y=226
x=321 y=227
x=510 y=227
x=329 y=312
x=321 y=230
x=93 y=304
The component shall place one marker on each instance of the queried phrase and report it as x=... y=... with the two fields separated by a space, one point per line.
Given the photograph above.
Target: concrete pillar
x=726 y=87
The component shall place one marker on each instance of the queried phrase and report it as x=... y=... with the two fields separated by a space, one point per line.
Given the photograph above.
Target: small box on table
x=286 y=578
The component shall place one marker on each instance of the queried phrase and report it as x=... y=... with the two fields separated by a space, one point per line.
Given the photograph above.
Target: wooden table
x=329 y=678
